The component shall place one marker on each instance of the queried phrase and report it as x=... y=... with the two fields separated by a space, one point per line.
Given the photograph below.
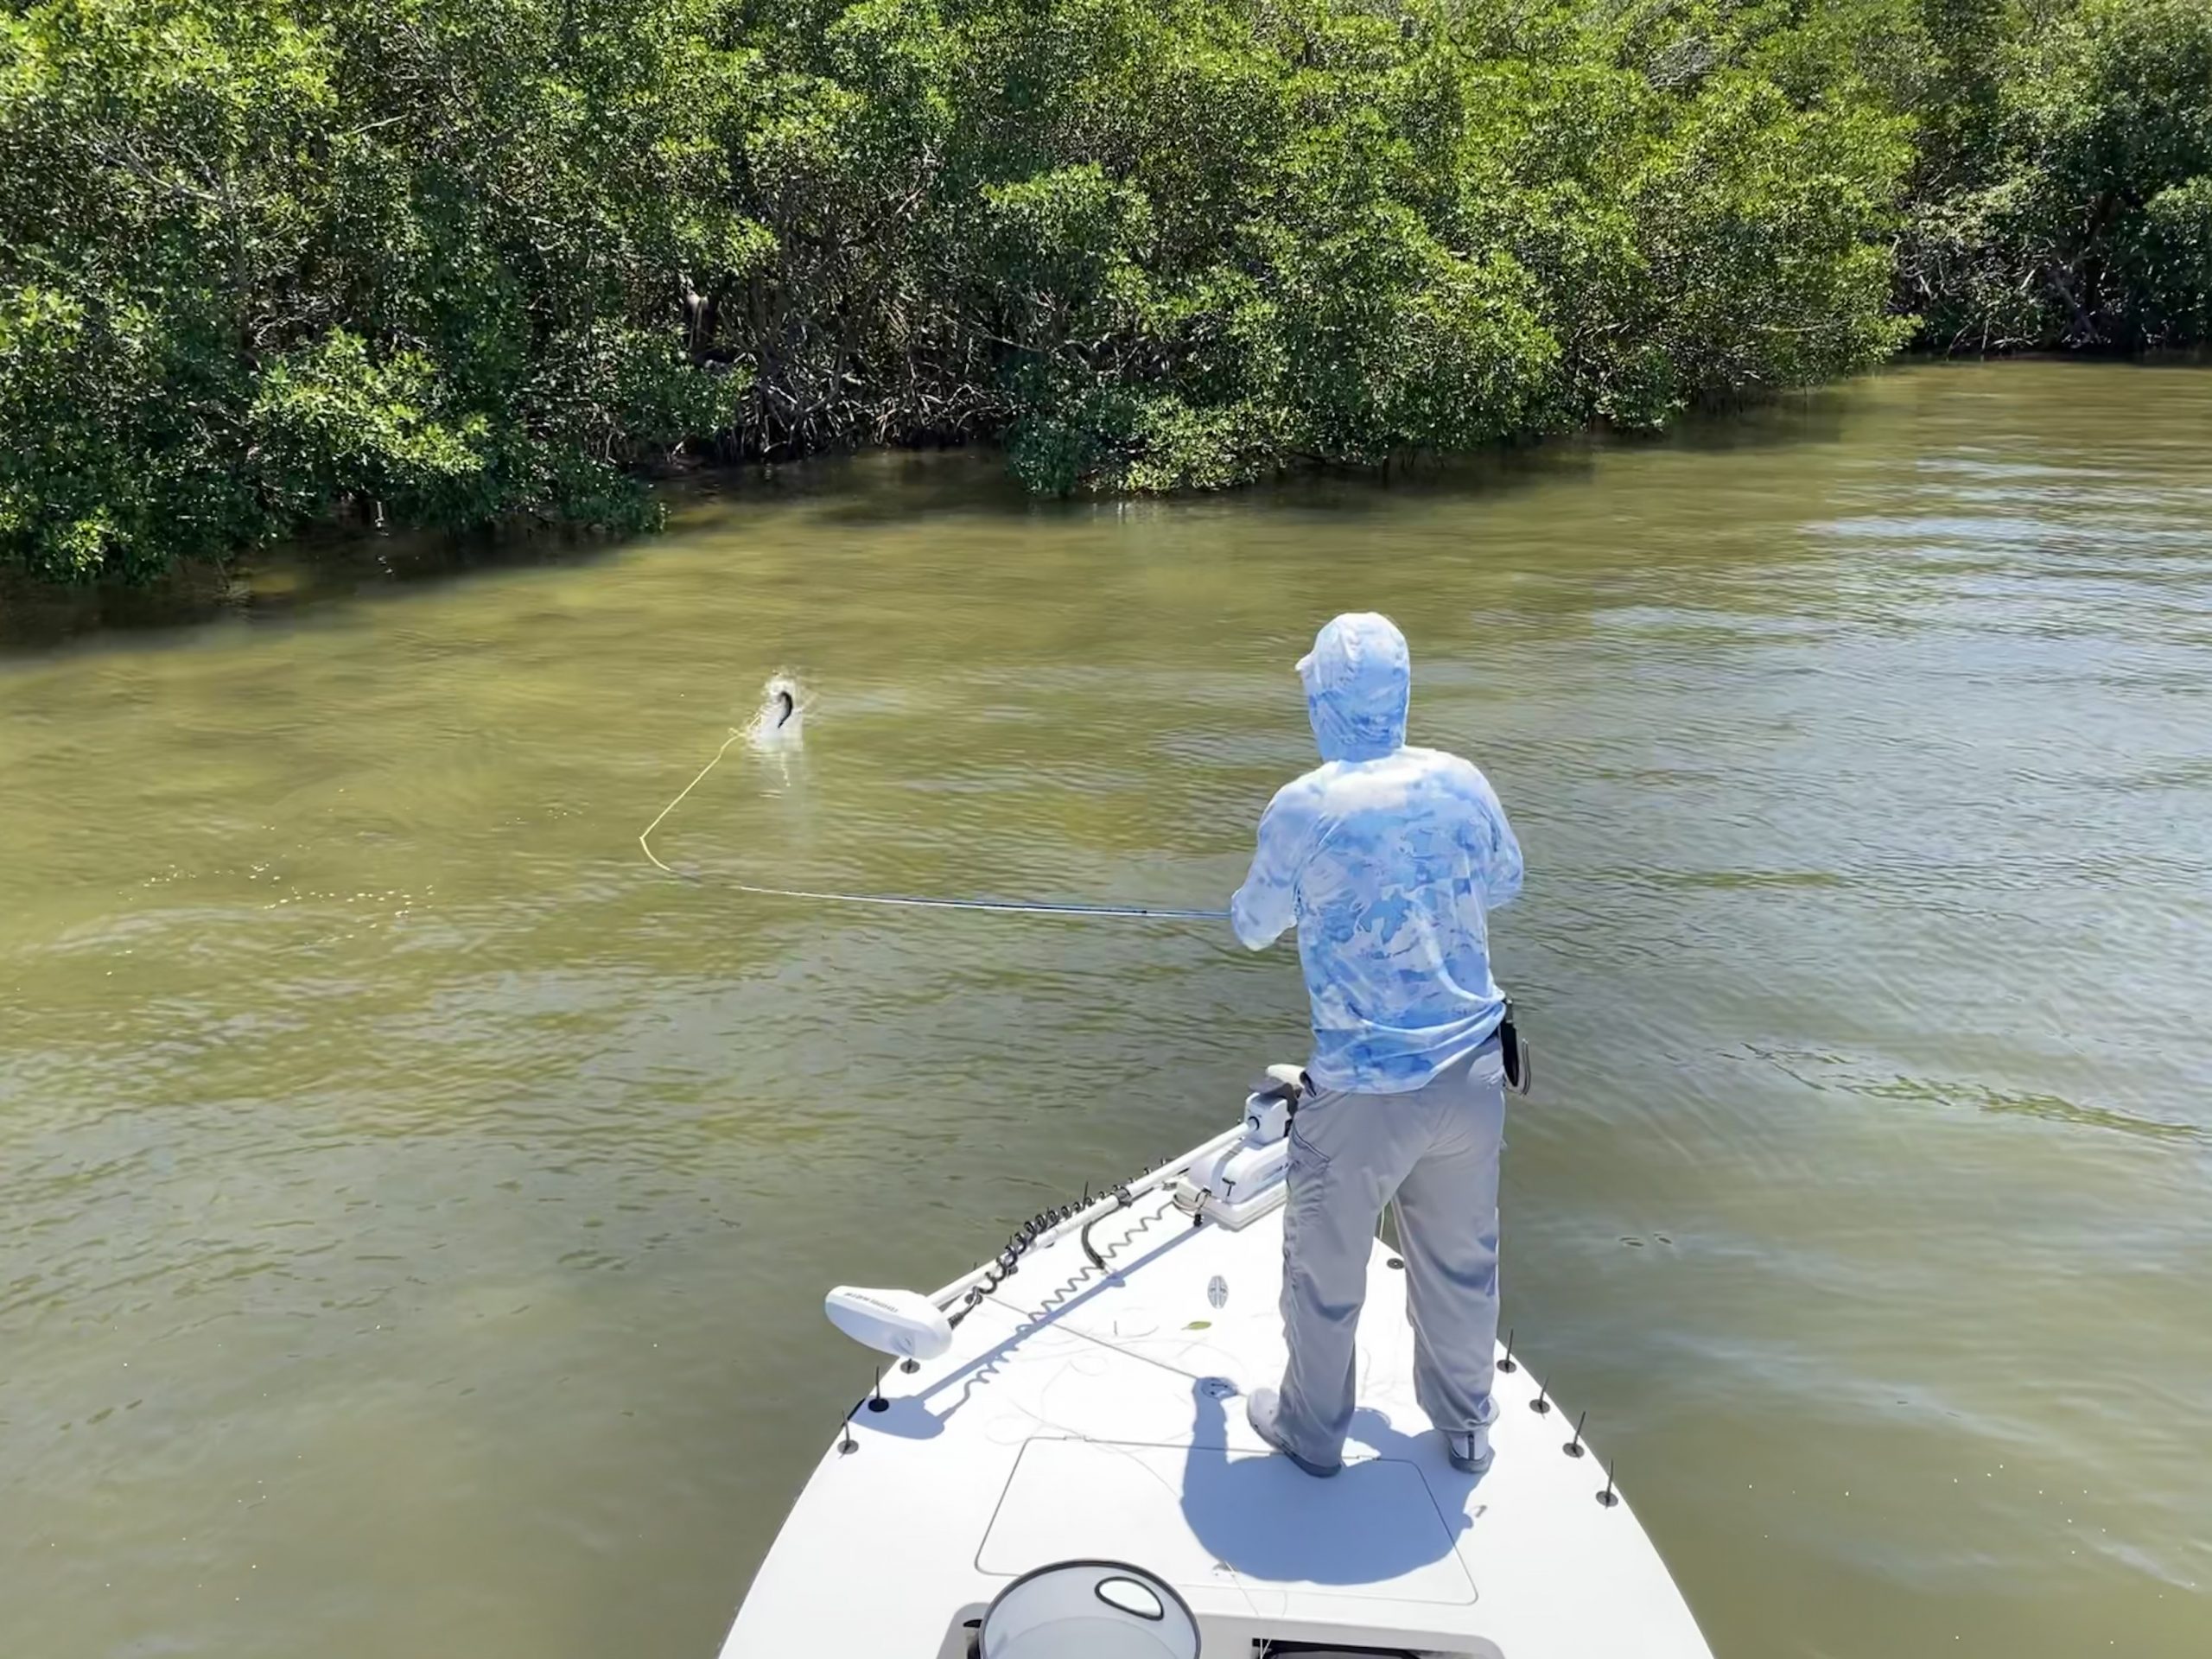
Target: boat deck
x=1089 y=1414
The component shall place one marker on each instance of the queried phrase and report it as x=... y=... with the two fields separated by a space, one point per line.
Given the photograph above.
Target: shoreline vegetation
x=268 y=266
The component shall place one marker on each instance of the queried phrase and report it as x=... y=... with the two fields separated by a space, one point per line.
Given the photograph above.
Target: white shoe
x=1262 y=1409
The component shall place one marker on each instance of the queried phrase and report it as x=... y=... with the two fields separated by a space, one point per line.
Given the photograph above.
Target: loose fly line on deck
x=901 y=901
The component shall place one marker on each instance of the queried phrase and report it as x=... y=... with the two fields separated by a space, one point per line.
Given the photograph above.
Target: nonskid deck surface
x=1090 y=1413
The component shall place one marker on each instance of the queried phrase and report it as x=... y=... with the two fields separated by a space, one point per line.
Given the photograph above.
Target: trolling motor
x=902 y=1323
x=911 y=1326
x=1244 y=1180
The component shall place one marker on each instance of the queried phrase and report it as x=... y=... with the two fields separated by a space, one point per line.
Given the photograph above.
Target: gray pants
x=1435 y=1151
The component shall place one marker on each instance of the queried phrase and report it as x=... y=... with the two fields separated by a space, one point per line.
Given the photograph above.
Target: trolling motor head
x=901 y=1323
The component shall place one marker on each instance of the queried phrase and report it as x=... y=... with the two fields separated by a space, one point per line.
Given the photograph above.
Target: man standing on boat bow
x=1386 y=858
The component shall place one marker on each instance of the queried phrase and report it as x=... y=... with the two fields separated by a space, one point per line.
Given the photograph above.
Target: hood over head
x=1359 y=678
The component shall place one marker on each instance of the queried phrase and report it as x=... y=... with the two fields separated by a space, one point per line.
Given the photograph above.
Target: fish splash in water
x=780 y=722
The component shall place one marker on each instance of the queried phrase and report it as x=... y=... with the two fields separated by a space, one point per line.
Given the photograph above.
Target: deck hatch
x=1215 y=1518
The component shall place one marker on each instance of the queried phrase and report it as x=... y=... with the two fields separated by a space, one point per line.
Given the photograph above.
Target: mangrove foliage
x=270 y=264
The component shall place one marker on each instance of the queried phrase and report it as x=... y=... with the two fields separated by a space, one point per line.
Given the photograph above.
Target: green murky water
x=414 y=1209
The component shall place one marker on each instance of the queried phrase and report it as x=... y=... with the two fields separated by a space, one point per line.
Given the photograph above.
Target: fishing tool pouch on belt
x=1515 y=1053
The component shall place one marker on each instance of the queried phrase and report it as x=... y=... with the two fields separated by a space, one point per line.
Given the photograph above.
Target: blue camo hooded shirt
x=1387 y=859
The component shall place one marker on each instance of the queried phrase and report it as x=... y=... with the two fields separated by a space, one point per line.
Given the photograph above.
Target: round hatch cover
x=1089 y=1610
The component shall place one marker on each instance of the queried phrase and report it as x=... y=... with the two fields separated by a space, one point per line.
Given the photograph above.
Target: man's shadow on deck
x=1377 y=1519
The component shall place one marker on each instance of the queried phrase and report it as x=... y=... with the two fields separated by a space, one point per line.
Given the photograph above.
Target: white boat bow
x=1076 y=1411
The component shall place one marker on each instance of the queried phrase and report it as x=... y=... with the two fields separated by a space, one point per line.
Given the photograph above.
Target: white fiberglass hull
x=1090 y=1414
